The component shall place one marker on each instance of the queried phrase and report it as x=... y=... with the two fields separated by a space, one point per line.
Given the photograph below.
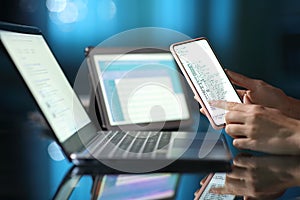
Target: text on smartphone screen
x=207 y=76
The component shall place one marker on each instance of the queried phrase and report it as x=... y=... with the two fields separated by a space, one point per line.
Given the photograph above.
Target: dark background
x=259 y=38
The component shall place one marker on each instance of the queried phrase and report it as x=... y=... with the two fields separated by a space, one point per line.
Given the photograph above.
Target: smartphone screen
x=205 y=75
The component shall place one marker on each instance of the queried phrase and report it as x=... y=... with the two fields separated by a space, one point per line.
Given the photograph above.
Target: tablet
x=138 y=89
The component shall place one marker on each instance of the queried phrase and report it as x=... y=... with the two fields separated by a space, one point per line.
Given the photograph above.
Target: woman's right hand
x=261 y=93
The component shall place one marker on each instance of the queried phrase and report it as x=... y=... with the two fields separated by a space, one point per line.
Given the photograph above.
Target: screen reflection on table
x=262 y=177
x=88 y=183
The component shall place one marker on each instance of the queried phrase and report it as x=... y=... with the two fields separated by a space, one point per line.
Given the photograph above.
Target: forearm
x=295 y=181
x=293 y=108
x=293 y=140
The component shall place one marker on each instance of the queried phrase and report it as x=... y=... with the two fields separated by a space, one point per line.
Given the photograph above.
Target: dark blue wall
x=254 y=37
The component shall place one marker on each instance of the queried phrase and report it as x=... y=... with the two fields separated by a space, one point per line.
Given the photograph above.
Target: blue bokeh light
x=76 y=24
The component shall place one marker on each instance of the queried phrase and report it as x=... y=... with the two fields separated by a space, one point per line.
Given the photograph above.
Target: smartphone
x=213 y=180
x=205 y=76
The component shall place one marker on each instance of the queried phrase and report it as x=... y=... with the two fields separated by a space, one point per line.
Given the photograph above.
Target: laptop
x=118 y=150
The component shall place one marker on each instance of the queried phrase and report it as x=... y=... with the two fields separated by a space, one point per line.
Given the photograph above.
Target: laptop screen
x=46 y=81
x=141 y=88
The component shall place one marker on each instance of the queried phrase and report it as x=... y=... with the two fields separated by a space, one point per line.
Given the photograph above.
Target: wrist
x=295 y=181
x=293 y=108
x=294 y=139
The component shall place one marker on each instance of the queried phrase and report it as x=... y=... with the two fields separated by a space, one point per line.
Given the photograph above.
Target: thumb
x=202 y=110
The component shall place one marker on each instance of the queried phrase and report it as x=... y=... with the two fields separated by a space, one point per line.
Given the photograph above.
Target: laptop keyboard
x=130 y=144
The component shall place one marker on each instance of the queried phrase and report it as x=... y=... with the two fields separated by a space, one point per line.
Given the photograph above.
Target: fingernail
x=235 y=161
x=235 y=143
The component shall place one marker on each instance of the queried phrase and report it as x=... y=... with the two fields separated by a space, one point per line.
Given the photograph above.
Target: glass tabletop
x=34 y=167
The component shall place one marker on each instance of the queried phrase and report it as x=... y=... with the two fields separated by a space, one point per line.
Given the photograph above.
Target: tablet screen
x=151 y=186
x=141 y=88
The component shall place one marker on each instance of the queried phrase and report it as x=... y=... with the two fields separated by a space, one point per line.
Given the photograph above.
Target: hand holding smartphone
x=205 y=76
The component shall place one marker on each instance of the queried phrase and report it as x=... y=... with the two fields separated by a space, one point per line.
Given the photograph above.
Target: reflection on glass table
x=87 y=183
x=259 y=177
x=151 y=186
